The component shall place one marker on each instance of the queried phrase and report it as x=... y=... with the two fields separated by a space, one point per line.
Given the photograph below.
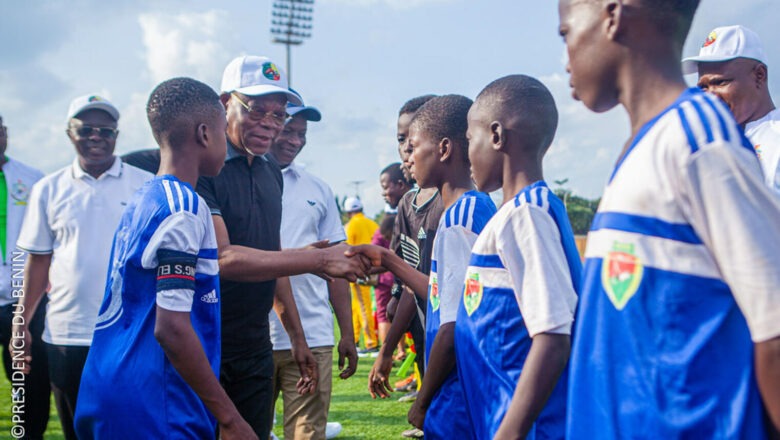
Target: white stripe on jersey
x=169 y=195
x=656 y=252
x=470 y=215
x=179 y=195
x=492 y=277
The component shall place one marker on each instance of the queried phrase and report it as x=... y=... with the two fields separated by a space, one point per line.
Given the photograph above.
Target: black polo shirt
x=249 y=199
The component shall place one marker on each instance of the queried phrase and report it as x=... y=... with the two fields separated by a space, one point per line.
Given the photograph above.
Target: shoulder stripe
x=471 y=206
x=726 y=133
x=645 y=226
x=169 y=195
x=457 y=215
x=179 y=195
x=480 y=260
x=544 y=197
x=688 y=132
x=188 y=200
x=704 y=119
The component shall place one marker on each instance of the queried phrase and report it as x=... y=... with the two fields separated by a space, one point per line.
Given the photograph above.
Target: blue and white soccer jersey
x=447 y=416
x=522 y=280
x=680 y=273
x=129 y=389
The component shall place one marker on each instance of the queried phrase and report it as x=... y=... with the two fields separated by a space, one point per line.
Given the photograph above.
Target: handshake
x=354 y=263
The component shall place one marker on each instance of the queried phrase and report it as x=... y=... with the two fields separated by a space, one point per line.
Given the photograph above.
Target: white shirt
x=765 y=136
x=309 y=214
x=74 y=216
x=19 y=179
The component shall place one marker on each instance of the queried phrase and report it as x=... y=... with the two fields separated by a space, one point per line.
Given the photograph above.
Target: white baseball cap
x=353 y=204
x=726 y=43
x=306 y=111
x=89 y=102
x=256 y=76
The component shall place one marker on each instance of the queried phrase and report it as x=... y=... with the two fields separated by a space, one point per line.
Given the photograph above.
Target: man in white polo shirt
x=309 y=214
x=68 y=229
x=732 y=65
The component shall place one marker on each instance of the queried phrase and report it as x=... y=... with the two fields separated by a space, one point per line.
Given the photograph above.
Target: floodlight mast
x=290 y=25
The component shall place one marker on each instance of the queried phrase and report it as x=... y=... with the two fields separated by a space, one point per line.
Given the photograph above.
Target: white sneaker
x=332 y=429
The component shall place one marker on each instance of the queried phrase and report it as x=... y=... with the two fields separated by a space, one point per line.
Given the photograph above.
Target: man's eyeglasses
x=86 y=131
x=257 y=114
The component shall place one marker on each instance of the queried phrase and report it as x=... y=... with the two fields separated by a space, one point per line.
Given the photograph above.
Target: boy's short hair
x=395 y=173
x=414 y=104
x=673 y=17
x=176 y=105
x=526 y=101
x=445 y=117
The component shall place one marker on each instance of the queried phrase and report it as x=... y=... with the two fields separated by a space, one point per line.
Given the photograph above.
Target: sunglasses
x=257 y=114
x=86 y=131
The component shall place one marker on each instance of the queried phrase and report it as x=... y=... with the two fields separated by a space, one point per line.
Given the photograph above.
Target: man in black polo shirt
x=246 y=205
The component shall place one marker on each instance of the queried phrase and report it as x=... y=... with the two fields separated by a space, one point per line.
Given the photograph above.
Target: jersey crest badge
x=472 y=294
x=621 y=274
x=433 y=293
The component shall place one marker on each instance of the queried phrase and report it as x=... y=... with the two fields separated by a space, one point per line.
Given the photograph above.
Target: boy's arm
x=440 y=364
x=745 y=247
x=543 y=366
x=379 y=376
x=174 y=332
x=287 y=310
x=767 y=358
x=383 y=257
x=36 y=278
x=245 y=264
x=529 y=246
x=341 y=301
x=453 y=252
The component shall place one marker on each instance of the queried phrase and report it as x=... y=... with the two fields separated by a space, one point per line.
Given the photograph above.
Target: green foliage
x=580 y=210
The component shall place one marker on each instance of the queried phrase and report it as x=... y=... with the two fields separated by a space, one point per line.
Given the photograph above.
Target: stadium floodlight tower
x=291 y=24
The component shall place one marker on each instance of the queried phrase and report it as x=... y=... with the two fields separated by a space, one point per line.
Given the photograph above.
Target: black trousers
x=66 y=362
x=248 y=381
x=35 y=407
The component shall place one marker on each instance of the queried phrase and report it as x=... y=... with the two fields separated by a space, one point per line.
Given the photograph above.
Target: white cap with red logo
x=726 y=43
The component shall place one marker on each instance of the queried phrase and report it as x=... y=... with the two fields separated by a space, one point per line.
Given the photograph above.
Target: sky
x=365 y=58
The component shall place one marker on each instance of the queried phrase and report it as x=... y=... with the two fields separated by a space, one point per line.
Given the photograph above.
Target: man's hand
x=371 y=252
x=237 y=430
x=378 y=378
x=416 y=416
x=348 y=351
x=307 y=364
x=26 y=348
x=338 y=264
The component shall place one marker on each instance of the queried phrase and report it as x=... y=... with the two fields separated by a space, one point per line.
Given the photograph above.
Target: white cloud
x=196 y=44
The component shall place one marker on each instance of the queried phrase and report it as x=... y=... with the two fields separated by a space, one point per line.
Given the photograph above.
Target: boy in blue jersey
x=514 y=322
x=437 y=136
x=678 y=331
x=152 y=370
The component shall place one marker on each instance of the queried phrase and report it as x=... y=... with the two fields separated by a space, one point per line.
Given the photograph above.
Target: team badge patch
x=20 y=192
x=433 y=293
x=472 y=294
x=710 y=39
x=758 y=150
x=621 y=274
x=271 y=72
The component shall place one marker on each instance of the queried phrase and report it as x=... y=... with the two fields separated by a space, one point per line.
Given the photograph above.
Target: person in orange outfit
x=359 y=231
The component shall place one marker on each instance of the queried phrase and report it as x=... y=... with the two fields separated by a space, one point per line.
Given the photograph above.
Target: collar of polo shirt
x=114 y=171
